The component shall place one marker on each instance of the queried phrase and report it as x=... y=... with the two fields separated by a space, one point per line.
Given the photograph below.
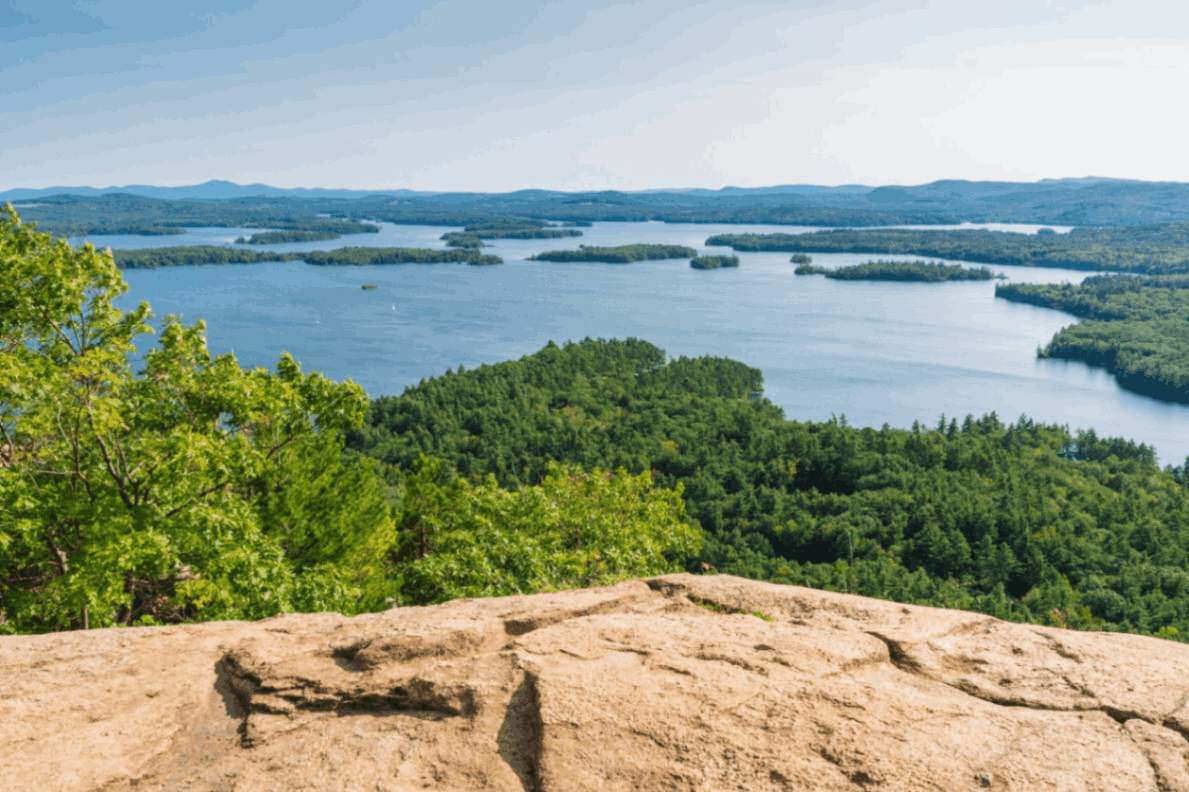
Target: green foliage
x=1150 y=249
x=369 y=287
x=190 y=490
x=623 y=254
x=801 y=258
x=281 y=237
x=198 y=255
x=461 y=239
x=1140 y=330
x=505 y=228
x=919 y=271
x=309 y=230
x=123 y=213
x=368 y=256
x=713 y=262
x=191 y=256
x=1026 y=521
x=574 y=529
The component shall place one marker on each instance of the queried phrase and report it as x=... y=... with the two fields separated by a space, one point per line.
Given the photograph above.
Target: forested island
x=309 y=230
x=622 y=254
x=713 y=262
x=917 y=271
x=1139 y=328
x=198 y=255
x=192 y=256
x=1148 y=249
x=368 y=256
x=513 y=228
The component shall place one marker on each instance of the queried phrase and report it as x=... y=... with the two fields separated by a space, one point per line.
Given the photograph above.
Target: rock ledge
x=634 y=686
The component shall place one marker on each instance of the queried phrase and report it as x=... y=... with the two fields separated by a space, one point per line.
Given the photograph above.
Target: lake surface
x=875 y=351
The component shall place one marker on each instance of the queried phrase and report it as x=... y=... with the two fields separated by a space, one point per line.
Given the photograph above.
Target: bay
x=876 y=352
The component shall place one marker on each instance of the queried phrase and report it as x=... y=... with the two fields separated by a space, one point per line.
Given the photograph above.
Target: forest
x=192 y=256
x=713 y=262
x=283 y=237
x=1023 y=521
x=1148 y=249
x=621 y=254
x=511 y=228
x=1138 y=328
x=199 y=255
x=368 y=256
x=917 y=271
x=122 y=213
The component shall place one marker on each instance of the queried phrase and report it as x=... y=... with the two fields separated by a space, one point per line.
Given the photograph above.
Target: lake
x=878 y=352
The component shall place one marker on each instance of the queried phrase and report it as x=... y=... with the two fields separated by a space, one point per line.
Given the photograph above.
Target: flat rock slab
x=668 y=683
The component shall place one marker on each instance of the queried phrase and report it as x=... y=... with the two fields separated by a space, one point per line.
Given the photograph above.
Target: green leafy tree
x=575 y=529
x=192 y=489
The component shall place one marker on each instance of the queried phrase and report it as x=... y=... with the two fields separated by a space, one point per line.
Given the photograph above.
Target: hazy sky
x=584 y=94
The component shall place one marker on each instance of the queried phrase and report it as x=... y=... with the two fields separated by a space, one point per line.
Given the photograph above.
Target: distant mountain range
x=211 y=190
x=1090 y=201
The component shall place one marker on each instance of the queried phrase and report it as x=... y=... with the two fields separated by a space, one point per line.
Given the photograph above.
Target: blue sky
x=469 y=95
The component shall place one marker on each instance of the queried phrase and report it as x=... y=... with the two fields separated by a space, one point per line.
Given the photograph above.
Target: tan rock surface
x=627 y=687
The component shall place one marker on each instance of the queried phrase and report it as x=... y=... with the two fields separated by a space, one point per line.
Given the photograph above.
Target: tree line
x=1148 y=249
x=918 y=271
x=199 y=255
x=1138 y=328
x=621 y=254
x=713 y=262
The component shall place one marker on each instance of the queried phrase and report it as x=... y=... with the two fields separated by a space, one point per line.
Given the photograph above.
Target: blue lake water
x=875 y=351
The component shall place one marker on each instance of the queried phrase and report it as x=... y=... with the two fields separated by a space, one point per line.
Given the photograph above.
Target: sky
x=474 y=95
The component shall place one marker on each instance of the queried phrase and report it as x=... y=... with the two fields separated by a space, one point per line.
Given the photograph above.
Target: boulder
x=680 y=682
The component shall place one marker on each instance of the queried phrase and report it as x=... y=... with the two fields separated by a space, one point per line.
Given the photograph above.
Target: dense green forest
x=921 y=271
x=622 y=254
x=511 y=228
x=1139 y=327
x=367 y=256
x=282 y=237
x=1023 y=521
x=191 y=256
x=713 y=262
x=1148 y=249
x=198 y=255
x=122 y=213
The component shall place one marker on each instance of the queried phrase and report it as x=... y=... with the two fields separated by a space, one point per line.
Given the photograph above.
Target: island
x=713 y=262
x=512 y=228
x=1155 y=249
x=199 y=255
x=309 y=230
x=283 y=237
x=916 y=271
x=192 y=256
x=623 y=254
x=368 y=256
